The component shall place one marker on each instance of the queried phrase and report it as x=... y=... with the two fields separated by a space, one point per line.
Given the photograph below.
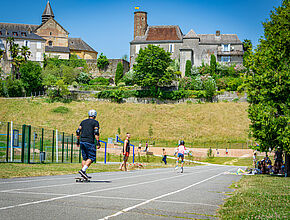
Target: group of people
x=265 y=166
x=140 y=146
x=88 y=134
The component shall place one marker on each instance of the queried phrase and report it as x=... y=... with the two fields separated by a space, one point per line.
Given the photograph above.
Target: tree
x=102 y=62
x=119 y=73
x=151 y=67
x=24 y=50
x=248 y=53
x=268 y=83
x=30 y=76
x=188 y=66
x=213 y=65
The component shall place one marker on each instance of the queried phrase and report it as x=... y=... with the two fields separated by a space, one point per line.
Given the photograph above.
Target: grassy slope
x=210 y=122
x=259 y=197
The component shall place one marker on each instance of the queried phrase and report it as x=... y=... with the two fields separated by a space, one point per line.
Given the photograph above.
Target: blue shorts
x=88 y=151
x=180 y=155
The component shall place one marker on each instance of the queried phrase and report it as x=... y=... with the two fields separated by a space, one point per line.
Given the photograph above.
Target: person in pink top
x=180 y=154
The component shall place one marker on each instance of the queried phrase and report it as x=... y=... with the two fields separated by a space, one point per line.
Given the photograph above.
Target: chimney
x=140 y=23
x=218 y=33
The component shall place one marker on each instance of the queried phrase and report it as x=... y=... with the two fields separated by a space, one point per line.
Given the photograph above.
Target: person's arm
x=97 y=136
x=78 y=132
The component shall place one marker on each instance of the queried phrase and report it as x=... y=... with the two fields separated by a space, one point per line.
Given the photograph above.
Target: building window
x=38 y=56
x=27 y=43
x=225 y=59
x=38 y=45
x=137 y=48
x=50 y=33
x=171 y=48
x=50 y=43
x=226 y=47
x=23 y=34
x=14 y=33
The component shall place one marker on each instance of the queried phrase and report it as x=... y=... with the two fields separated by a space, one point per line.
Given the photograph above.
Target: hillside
x=196 y=123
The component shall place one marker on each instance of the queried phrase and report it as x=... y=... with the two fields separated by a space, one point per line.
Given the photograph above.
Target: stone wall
x=227 y=96
x=110 y=70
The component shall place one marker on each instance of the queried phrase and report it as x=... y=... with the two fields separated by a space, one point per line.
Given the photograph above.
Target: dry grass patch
x=210 y=122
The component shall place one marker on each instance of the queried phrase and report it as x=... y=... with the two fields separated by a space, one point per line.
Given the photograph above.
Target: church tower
x=140 y=23
x=47 y=14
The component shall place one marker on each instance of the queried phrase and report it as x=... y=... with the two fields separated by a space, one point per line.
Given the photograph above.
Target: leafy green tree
x=248 y=53
x=119 y=73
x=188 y=66
x=268 y=83
x=30 y=76
x=24 y=50
x=69 y=74
x=14 y=88
x=128 y=78
x=151 y=67
x=102 y=62
x=213 y=65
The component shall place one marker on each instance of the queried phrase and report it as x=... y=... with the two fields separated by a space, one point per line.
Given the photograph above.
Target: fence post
x=62 y=149
x=72 y=148
x=66 y=149
x=52 y=150
x=29 y=144
x=22 y=144
x=11 y=142
x=133 y=153
x=56 y=146
x=7 y=147
x=105 y=159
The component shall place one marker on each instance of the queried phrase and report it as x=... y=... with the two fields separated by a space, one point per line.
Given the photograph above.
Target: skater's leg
x=182 y=164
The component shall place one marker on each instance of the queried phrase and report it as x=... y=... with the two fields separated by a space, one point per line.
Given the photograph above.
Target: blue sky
x=107 y=26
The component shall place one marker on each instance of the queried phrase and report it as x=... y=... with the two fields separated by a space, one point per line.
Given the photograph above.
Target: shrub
x=188 y=66
x=213 y=65
x=30 y=76
x=128 y=78
x=119 y=73
x=100 y=81
x=102 y=62
x=61 y=109
x=15 y=88
x=83 y=78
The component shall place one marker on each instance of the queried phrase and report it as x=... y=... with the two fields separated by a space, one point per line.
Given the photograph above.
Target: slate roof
x=18 y=27
x=222 y=39
x=48 y=11
x=57 y=49
x=19 y=34
x=79 y=44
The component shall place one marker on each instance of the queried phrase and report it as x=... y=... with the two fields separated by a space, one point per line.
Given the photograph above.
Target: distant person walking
x=140 y=146
x=126 y=152
x=146 y=147
x=164 y=156
x=278 y=157
x=255 y=160
x=87 y=133
x=180 y=155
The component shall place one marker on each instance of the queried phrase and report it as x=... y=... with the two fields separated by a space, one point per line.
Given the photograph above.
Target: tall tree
x=268 y=84
x=119 y=73
x=151 y=67
x=188 y=66
x=213 y=65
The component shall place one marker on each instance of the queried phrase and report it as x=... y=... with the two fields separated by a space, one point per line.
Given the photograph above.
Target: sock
x=85 y=167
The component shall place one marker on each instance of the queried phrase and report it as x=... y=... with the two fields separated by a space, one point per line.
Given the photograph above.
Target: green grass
x=234 y=161
x=258 y=197
x=60 y=109
x=25 y=170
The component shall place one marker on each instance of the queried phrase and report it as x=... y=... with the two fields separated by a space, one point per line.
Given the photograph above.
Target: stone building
x=191 y=46
x=22 y=37
x=53 y=38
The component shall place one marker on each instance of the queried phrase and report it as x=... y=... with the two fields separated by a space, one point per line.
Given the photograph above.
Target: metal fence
x=27 y=144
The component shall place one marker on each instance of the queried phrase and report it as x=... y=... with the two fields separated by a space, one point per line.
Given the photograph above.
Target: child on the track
x=126 y=151
x=164 y=156
x=180 y=154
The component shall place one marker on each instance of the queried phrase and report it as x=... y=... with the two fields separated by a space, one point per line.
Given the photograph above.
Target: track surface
x=142 y=194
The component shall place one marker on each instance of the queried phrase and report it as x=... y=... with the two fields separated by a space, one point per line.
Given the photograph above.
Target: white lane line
x=158 y=197
x=52 y=178
x=67 y=184
x=84 y=193
x=114 y=197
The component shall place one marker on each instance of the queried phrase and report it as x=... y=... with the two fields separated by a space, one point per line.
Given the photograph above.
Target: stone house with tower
x=191 y=46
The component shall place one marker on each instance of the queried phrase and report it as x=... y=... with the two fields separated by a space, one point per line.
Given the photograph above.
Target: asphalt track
x=141 y=194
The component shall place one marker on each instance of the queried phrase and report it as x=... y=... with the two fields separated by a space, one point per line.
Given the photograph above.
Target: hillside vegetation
x=195 y=123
